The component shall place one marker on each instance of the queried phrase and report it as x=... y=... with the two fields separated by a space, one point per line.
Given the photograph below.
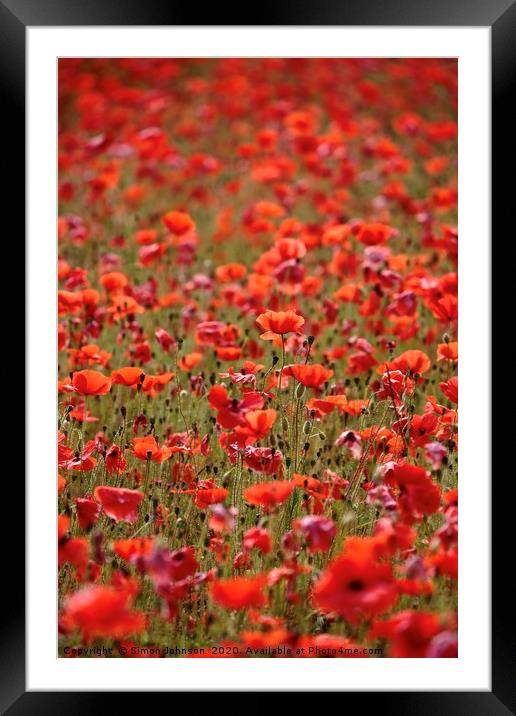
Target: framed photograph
x=255 y=254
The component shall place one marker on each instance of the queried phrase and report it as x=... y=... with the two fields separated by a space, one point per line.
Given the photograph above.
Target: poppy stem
x=280 y=378
x=355 y=480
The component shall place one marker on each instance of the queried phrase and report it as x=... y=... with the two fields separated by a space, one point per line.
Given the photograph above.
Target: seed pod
x=307 y=427
x=300 y=391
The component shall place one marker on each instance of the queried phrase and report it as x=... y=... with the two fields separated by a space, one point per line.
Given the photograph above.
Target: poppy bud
x=275 y=359
x=311 y=339
x=307 y=427
x=300 y=391
x=98 y=550
x=284 y=424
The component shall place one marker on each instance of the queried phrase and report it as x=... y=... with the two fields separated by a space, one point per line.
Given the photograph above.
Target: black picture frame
x=500 y=16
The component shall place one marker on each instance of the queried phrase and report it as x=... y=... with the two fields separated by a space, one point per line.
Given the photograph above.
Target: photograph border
x=15 y=17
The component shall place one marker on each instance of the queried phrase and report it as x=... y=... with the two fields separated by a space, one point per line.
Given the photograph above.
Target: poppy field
x=257 y=358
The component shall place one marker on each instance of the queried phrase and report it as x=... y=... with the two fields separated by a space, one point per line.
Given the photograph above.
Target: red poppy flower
x=169 y=570
x=76 y=552
x=80 y=461
x=409 y=362
x=131 y=549
x=318 y=530
x=311 y=375
x=144 y=237
x=328 y=404
x=87 y=511
x=228 y=352
x=230 y=272
x=413 y=635
x=63 y=525
x=419 y=494
x=124 y=306
x=129 y=376
x=91 y=382
x=119 y=503
x=164 y=339
x=205 y=497
x=216 y=333
x=114 y=281
x=154 y=384
x=178 y=222
x=415 y=361
x=114 y=460
x=258 y=538
x=355 y=585
x=451 y=389
x=231 y=412
x=239 y=592
x=267 y=461
x=448 y=351
x=373 y=234
x=257 y=423
x=89 y=354
x=445 y=309
x=69 y=302
x=102 y=612
x=147 y=447
x=269 y=494
x=275 y=323
x=360 y=363
x=422 y=427
x=190 y=361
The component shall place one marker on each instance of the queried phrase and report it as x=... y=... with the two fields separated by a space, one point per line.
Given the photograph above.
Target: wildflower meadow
x=258 y=358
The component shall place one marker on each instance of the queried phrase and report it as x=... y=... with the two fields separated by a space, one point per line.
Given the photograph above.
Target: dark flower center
x=355 y=585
